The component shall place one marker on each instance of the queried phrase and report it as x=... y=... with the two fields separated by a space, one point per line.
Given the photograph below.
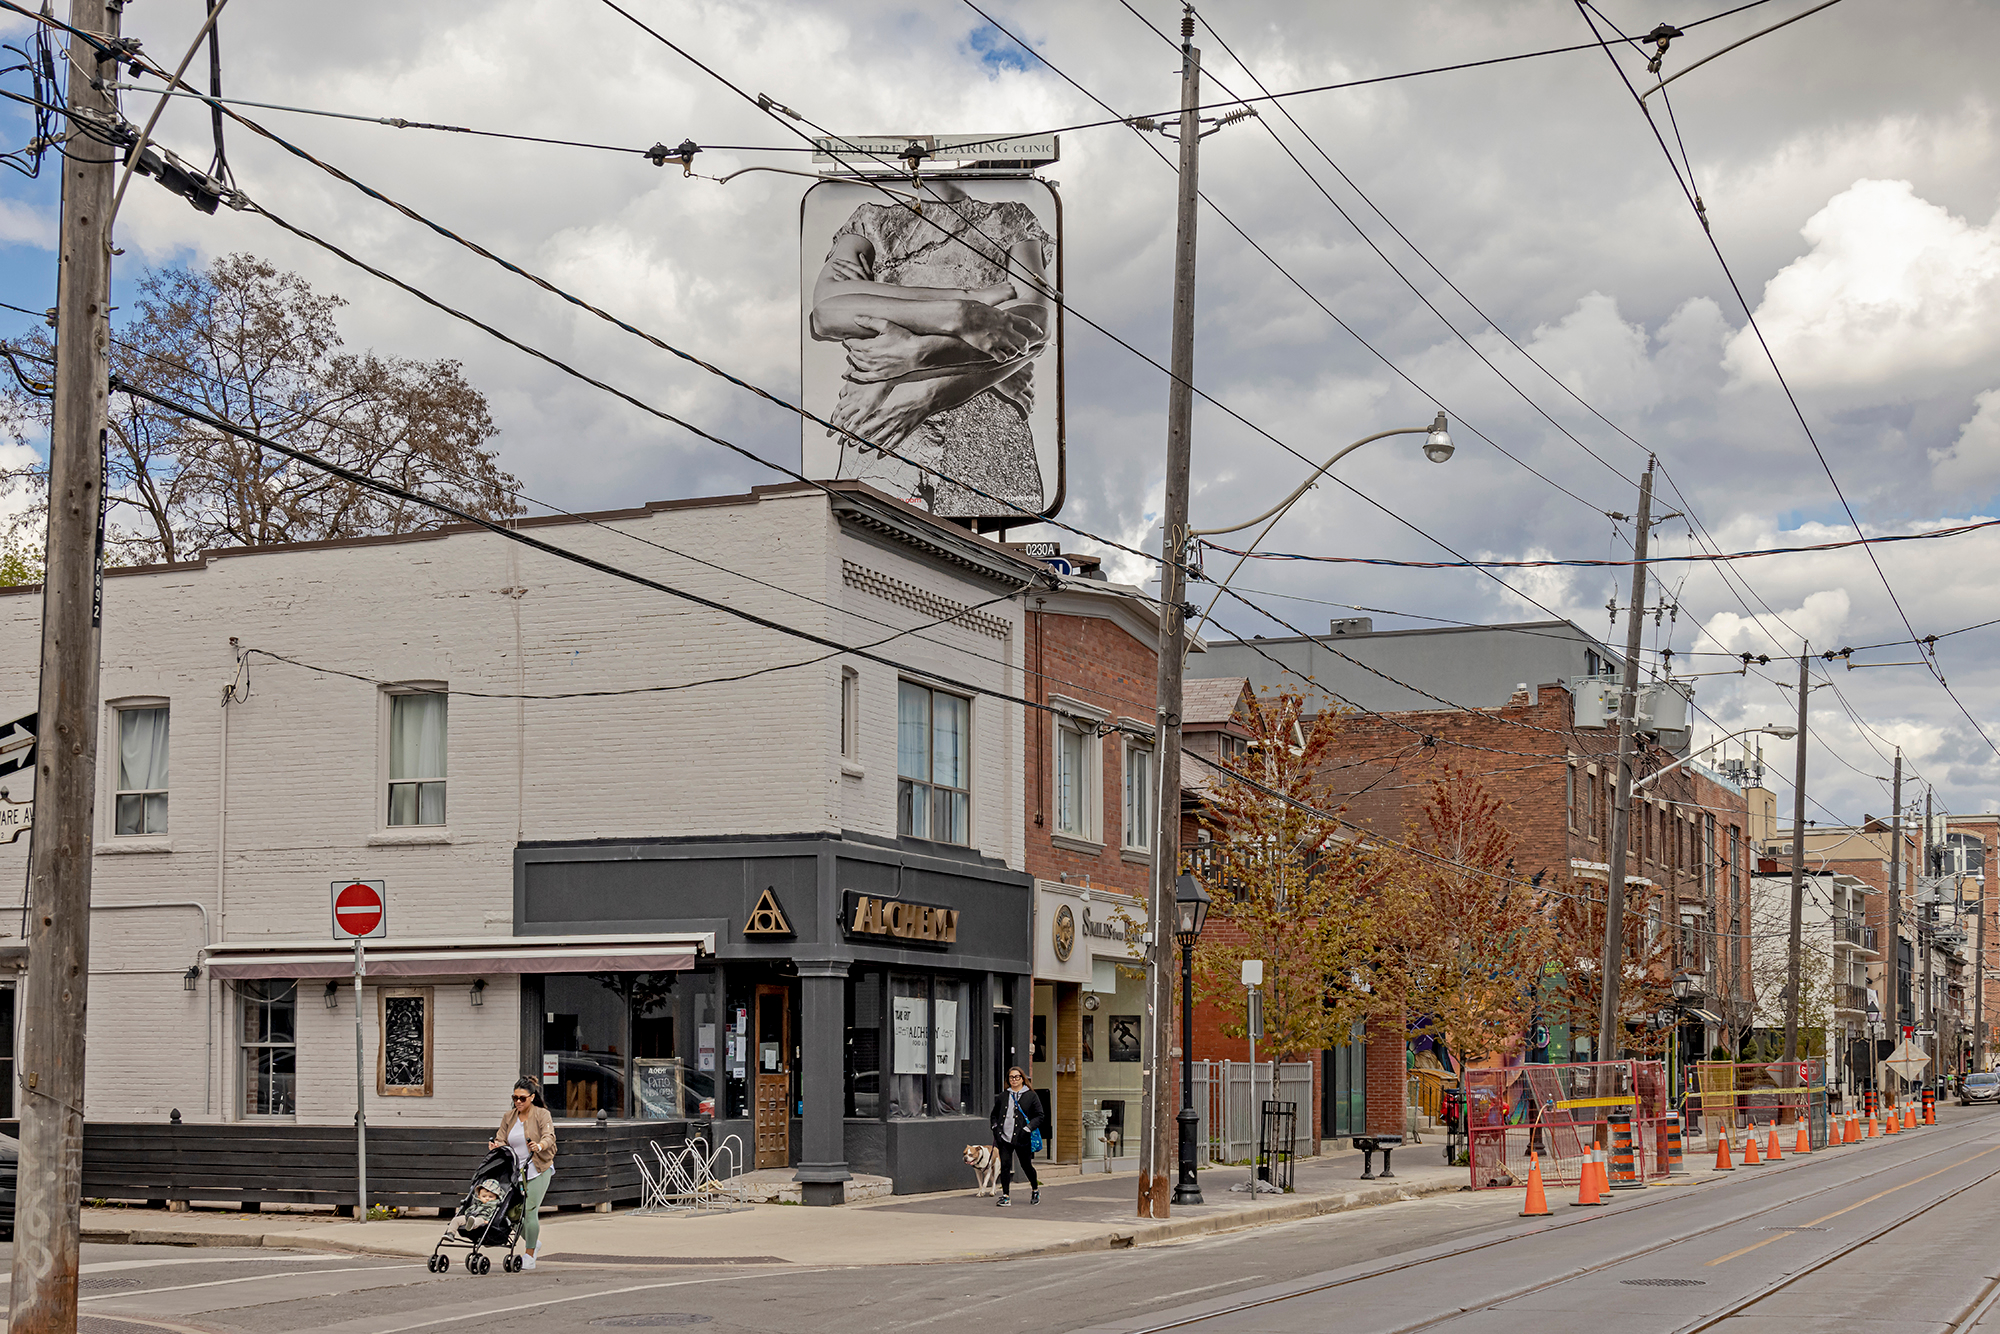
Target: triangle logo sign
x=767 y=918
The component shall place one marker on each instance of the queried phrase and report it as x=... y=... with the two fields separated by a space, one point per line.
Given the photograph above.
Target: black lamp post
x=1190 y=914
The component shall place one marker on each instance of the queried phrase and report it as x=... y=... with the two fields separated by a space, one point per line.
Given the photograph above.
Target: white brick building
x=654 y=821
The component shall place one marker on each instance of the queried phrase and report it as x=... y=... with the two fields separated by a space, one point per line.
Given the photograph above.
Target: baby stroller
x=489 y=1216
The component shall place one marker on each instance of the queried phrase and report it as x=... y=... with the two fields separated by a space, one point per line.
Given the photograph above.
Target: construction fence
x=1556 y=1113
x=1754 y=1096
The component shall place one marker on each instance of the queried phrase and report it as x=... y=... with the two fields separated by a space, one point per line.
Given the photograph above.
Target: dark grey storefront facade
x=856 y=1015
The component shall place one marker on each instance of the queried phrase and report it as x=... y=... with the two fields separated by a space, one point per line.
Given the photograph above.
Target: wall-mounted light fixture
x=190 y=977
x=479 y=991
x=333 y=994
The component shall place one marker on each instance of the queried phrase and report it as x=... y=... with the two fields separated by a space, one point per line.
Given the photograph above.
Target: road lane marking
x=593 y=1296
x=1852 y=1207
x=251 y=1278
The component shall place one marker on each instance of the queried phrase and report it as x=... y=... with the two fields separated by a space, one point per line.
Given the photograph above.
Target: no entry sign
x=360 y=909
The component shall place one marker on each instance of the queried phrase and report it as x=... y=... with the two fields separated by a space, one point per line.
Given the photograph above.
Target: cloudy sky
x=1849 y=165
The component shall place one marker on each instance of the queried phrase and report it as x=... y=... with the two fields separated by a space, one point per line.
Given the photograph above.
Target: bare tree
x=259 y=349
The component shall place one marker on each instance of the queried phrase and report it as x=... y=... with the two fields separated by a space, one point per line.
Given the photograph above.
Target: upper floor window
x=1138 y=797
x=850 y=714
x=417 y=746
x=1073 y=747
x=933 y=764
x=141 y=800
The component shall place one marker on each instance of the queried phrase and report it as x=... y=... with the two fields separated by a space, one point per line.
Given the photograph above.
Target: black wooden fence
x=249 y=1163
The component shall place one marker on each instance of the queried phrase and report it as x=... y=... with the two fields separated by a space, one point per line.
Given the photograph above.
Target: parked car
x=10 y=1169
x=1979 y=1086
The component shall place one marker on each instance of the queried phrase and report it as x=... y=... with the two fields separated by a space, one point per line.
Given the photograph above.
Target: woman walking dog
x=1018 y=1121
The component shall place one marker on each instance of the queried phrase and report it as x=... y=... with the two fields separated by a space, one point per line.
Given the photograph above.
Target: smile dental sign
x=359 y=909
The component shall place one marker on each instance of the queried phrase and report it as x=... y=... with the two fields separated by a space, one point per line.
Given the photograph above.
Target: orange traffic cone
x=1722 y=1163
x=1805 y=1141
x=1853 y=1130
x=1538 y=1202
x=1588 y=1194
x=1750 y=1158
x=1892 y=1123
x=1771 y=1153
x=1909 y=1116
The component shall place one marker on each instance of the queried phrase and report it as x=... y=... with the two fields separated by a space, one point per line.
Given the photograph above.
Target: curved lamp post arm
x=1277 y=512
x=1771 y=729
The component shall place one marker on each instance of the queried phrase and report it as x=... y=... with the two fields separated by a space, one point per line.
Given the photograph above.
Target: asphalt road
x=1893 y=1237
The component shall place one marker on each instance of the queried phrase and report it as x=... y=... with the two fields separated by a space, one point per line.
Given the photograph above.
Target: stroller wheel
x=485 y=1265
x=471 y=1264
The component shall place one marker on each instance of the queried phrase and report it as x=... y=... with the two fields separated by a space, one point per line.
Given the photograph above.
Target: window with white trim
x=1074 y=747
x=140 y=803
x=933 y=764
x=417 y=752
x=850 y=714
x=270 y=1047
x=1139 y=787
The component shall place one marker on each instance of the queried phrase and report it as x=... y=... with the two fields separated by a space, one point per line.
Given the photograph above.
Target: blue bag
x=1035 y=1140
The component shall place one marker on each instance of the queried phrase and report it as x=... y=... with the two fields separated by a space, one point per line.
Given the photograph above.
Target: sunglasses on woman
x=520 y=1097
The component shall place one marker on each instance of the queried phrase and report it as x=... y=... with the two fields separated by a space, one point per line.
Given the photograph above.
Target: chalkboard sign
x=661 y=1087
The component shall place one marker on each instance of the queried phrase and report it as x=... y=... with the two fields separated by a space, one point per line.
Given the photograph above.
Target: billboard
x=932 y=339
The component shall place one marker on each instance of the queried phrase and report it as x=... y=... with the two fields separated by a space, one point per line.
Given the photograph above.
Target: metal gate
x=1228 y=1100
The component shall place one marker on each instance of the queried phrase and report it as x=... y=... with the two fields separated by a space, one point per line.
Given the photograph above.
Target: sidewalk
x=1090 y=1212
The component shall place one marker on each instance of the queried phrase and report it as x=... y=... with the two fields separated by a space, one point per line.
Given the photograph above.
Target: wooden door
x=771 y=1053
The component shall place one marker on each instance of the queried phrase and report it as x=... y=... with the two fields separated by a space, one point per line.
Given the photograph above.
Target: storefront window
x=952 y=1053
x=584 y=1029
x=863 y=1074
x=910 y=1046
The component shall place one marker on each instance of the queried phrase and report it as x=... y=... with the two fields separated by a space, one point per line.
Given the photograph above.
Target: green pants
x=531 y=1217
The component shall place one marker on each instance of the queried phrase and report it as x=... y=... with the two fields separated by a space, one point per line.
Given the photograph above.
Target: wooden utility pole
x=1794 y=942
x=1892 y=948
x=1157 y=1125
x=1979 y=980
x=1926 y=932
x=1612 y=963
x=49 y=1066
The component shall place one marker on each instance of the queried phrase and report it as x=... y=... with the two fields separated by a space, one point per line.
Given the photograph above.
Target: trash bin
x=1093 y=1133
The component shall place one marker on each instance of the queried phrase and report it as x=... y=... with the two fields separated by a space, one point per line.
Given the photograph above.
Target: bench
x=1368 y=1144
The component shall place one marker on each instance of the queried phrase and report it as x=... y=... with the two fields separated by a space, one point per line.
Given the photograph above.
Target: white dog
x=984 y=1160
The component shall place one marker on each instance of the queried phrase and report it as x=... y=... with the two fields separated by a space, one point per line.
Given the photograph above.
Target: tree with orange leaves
x=1290 y=885
x=1465 y=941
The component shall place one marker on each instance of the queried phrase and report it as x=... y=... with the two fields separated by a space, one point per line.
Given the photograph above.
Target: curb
x=1144 y=1234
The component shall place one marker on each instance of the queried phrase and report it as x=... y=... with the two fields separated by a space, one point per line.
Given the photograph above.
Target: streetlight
x=1778 y=730
x=1190 y=914
x=1437 y=448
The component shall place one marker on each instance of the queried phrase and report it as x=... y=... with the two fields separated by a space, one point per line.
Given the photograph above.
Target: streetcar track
x=1773 y=1289
x=1385 y=1270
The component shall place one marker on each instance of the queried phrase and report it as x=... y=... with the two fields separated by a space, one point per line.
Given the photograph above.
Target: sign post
x=360 y=911
x=1253 y=1024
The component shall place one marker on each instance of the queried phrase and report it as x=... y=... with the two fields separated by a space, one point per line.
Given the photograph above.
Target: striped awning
x=461 y=957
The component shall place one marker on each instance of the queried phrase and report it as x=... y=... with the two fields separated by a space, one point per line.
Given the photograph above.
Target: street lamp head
x=1780 y=731
x=1190 y=910
x=1437 y=445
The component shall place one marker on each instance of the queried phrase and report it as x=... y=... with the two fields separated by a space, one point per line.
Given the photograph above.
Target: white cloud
x=1972 y=464
x=23 y=224
x=1894 y=290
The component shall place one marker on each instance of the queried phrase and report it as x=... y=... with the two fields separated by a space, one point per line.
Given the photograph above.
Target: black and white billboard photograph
x=930 y=341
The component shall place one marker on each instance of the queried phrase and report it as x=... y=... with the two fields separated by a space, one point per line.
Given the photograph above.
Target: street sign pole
x=360 y=1095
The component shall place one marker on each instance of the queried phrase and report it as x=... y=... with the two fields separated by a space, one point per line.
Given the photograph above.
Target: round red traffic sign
x=357 y=910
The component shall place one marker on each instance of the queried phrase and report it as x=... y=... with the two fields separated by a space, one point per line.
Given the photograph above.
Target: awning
x=1706 y=1016
x=462 y=957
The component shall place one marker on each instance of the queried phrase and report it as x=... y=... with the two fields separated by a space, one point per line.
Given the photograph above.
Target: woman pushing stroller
x=529 y=1133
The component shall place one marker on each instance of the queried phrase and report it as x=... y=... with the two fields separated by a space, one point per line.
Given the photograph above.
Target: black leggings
x=1023 y=1145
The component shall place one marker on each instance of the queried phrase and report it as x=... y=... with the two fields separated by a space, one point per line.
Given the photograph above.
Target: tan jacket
x=540 y=1128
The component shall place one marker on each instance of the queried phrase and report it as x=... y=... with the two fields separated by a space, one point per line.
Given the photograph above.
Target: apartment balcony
x=1847 y=996
x=1848 y=933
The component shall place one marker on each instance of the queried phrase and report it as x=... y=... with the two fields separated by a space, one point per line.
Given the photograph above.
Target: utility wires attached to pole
x=1926 y=933
x=1794 y=939
x=1892 y=948
x=49 y=1067
x=1612 y=964
x=1157 y=1126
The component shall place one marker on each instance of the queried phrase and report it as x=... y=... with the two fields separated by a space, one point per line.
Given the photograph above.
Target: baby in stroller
x=488 y=1216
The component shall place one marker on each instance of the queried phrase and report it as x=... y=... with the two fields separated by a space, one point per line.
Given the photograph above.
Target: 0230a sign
x=360 y=909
